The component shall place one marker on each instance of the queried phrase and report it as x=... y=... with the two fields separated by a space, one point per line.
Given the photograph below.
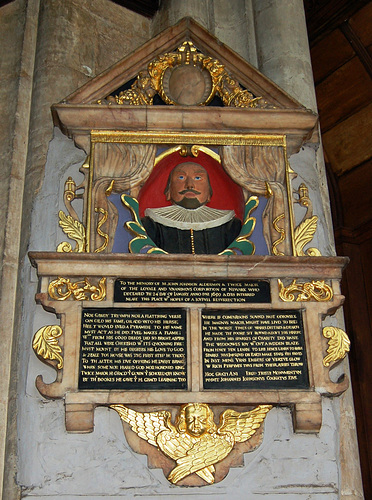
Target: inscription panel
x=231 y=292
x=133 y=349
x=253 y=350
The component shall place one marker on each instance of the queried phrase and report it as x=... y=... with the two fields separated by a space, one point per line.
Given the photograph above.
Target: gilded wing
x=206 y=451
x=146 y=425
x=173 y=444
x=242 y=425
x=176 y=445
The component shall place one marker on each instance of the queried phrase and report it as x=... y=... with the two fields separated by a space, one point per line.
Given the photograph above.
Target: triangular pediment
x=169 y=41
x=250 y=103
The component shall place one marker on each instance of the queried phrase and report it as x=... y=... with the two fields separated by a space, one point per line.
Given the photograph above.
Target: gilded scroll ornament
x=100 y=223
x=338 y=344
x=74 y=230
x=194 y=442
x=63 y=288
x=186 y=77
x=45 y=344
x=281 y=231
x=316 y=290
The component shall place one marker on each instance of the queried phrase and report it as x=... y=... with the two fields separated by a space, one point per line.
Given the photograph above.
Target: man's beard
x=189 y=203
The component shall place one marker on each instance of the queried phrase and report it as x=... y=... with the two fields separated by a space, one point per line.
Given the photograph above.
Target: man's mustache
x=189 y=191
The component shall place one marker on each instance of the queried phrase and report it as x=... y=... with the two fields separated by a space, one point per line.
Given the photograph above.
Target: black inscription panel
x=133 y=349
x=232 y=292
x=254 y=350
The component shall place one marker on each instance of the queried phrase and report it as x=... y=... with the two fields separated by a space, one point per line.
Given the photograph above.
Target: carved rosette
x=338 y=344
x=304 y=292
x=63 y=288
x=45 y=344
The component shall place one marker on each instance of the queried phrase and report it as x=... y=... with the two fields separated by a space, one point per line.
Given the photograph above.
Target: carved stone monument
x=190 y=291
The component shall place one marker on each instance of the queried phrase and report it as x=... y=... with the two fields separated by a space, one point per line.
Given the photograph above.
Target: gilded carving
x=74 y=230
x=45 y=344
x=103 y=235
x=186 y=77
x=194 y=442
x=281 y=231
x=303 y=234
x=316 y=290
x=305 y=231
x=338 y=344
x=63 y=288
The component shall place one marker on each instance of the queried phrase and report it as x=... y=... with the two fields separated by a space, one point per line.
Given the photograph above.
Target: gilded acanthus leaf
x=304 y=233
x=338 y=344
x=45 y=344
x=74 y=230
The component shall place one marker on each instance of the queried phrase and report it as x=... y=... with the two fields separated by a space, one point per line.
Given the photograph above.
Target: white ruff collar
x=184 y=218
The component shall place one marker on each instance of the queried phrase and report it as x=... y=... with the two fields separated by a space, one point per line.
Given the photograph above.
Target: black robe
x=206 y=241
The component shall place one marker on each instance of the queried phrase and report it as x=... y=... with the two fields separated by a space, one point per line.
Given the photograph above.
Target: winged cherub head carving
x=194 y=442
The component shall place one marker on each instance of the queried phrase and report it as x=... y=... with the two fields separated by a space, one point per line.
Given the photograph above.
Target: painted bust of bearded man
x=188 y=225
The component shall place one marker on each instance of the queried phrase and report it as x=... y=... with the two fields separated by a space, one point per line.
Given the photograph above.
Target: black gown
x=206 y=241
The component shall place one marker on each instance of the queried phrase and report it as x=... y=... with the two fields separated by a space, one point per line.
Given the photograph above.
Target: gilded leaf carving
x=338 y=344
x=45 y=344
x=303 y=234
x=75 y=230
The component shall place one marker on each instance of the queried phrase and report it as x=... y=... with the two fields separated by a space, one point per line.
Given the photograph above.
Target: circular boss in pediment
x=186 y=85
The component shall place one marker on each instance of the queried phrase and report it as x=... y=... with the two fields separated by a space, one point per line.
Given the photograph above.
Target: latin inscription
x=133 y=349
x=253 y=349
x=233 y=292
